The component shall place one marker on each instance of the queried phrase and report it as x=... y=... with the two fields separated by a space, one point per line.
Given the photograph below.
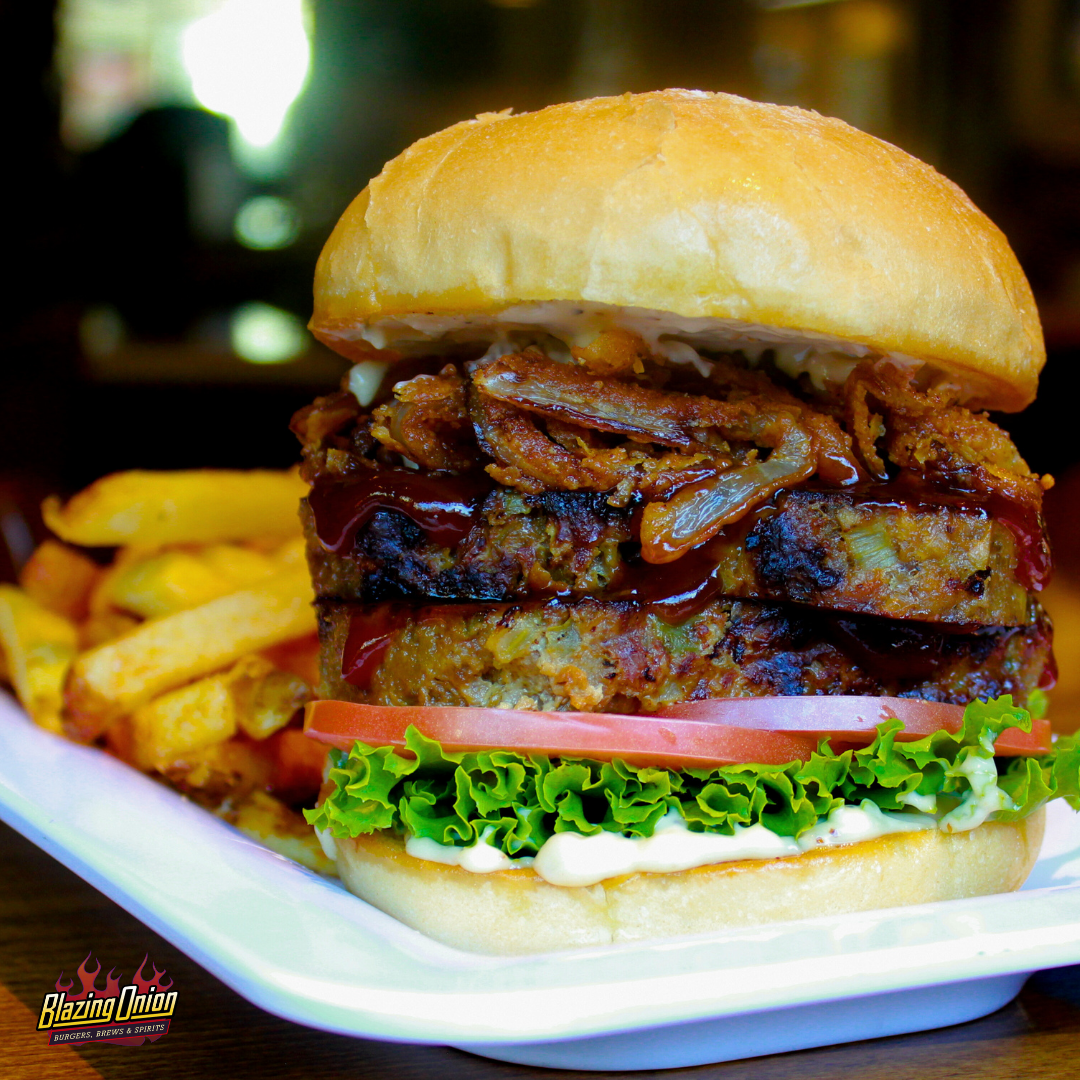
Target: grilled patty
x=614 y=656
x=845 y=551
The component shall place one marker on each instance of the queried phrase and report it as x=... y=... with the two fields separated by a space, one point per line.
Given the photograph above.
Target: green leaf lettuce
x=516 y=801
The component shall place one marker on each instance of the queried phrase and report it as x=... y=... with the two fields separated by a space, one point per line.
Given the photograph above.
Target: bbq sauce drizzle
x=446 y=507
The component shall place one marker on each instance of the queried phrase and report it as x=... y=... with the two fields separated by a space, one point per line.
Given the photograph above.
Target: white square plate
x=300 y=946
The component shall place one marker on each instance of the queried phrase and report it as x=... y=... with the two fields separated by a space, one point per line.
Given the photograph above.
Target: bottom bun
x=515 y=911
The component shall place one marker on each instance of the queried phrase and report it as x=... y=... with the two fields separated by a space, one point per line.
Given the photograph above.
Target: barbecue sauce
x=445 y=507
x=677 y=590
x=370 y=631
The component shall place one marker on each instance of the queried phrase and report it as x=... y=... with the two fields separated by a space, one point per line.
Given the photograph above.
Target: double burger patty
x=609 y=656
x=844 y=551
x=496 y=535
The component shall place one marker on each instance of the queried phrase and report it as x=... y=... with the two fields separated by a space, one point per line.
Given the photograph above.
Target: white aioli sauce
x=570 y=859
x=364 y=380
x=478 y=858
x=984 y=798
x=562 y=324
x=326 y=842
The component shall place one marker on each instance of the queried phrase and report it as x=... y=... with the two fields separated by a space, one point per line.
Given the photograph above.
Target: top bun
x=696 y=204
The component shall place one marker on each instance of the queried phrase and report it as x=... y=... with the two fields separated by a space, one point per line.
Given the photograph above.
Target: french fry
x=241 y=566
x=198 y=640
x=39 y=647
x=106 y=626
x=100 y=600
x=268 y=699
x=300 y=763
x=227 y=770
x=166 y=583
x=252 y=696
x=271 y=823
x=291 y=553
x=60 y=579
x=183 y=721
x=185 y=507
x=301 y=657
x=162 y=654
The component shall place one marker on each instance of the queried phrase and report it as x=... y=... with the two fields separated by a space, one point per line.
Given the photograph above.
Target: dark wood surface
x=50 y=919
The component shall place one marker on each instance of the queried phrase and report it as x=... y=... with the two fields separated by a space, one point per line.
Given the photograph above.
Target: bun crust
x=513 y=912
x=702 y=205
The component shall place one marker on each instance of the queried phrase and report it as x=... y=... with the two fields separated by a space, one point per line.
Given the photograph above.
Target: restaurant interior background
x=174 y=166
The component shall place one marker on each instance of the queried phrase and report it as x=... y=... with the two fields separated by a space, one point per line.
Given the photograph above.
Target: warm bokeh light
x=249 y=61
x=264 y=334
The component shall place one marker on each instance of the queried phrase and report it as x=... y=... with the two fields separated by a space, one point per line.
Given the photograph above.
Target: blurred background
x=174 y=167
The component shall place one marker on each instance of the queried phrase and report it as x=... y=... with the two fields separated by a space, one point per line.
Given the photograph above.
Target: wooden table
x=50 y=919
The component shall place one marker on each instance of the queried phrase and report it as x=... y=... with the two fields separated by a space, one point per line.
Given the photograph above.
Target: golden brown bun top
x=703 y=205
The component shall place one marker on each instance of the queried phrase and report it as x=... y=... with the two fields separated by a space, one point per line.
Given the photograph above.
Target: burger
x=671 y=574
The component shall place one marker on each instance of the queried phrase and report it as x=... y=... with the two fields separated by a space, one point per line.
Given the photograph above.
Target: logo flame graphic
x=144 y=984
x=88 y=979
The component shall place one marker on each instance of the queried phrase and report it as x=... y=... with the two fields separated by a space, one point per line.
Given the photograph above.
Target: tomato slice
x=646 y=740
x=853 y=720
x=769 y=731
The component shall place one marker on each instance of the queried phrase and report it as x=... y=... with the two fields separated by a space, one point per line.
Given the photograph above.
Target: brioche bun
x=695 y=204
x=512 y=912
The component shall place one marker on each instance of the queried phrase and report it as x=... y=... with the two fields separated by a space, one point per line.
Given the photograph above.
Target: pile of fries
x=190 y=652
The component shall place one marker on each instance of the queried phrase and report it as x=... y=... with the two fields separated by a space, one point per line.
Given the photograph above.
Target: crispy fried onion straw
x=428 y=421
x=929 y=434
x=712 y=487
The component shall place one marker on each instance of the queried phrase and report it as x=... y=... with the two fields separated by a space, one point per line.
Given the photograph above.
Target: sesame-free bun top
x=691 y=205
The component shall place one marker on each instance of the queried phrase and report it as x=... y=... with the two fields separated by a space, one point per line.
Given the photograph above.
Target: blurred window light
x=781 y=70
x=115 y=58
x=249 y=60
x=263 y=334
x=266 y=223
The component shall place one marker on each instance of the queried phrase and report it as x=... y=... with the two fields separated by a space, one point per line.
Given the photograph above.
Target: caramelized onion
x=530 y=460
x=697 y=513
x=535 y=383
x=709 y=490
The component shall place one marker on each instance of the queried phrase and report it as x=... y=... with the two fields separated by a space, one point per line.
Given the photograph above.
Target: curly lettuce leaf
x=517 y=801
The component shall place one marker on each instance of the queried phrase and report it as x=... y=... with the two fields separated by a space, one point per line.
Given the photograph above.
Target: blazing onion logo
x=129 y=1014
